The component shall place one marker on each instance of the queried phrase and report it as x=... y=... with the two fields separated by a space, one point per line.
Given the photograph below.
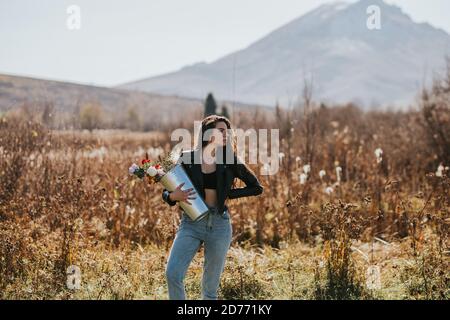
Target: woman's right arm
x=166 y=197
x=172 y=197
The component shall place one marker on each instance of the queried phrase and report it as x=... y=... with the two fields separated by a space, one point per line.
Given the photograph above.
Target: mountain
x=330 y=45
x=67 y=98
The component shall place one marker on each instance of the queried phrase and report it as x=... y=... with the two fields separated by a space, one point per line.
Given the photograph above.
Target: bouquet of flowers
x=171 y=174
x=152 y=170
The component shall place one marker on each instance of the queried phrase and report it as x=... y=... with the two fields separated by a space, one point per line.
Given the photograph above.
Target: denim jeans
x=215 y=232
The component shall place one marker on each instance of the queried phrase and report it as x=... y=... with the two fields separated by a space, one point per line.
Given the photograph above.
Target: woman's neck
x=210 y=150
x=209 y=153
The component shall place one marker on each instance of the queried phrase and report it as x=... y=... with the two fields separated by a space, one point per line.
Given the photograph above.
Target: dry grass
x=66 y=199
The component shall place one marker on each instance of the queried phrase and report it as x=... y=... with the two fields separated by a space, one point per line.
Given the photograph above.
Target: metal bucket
x=172 y=179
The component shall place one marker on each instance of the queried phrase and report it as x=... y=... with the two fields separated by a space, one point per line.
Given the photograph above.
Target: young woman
x=215 y=180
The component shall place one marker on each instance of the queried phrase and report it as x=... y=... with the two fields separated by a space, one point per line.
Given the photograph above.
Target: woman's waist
x=215 y=209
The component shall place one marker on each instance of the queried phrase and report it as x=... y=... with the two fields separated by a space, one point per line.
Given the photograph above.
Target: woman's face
x=220 y=131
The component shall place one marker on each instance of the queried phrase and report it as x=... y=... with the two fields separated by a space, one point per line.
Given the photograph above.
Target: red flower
x=157 y=166
x=145 y=161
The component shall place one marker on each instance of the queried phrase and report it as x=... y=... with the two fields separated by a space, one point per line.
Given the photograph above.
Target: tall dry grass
x=66 y=199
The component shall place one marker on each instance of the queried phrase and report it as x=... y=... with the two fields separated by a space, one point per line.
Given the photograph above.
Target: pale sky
x=121 y=41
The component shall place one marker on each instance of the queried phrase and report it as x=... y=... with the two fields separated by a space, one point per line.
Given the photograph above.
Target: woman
x=215 y=180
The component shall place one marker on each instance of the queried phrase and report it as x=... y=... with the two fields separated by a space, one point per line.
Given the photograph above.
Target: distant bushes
x=91 y=116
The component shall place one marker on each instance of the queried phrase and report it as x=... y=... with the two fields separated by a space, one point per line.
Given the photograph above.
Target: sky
x=120 y=41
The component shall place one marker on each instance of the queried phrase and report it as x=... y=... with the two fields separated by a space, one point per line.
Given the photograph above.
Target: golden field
x=373 y=225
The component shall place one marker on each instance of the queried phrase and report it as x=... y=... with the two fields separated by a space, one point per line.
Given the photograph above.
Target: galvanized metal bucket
x=172 y=179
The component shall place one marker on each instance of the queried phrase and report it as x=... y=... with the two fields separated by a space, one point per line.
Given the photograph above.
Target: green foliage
x=428 y=276
x=238 y=285
x=91 y=116
x=210 y=105
x=225 y=112
x=339 y=279
x=133 y=120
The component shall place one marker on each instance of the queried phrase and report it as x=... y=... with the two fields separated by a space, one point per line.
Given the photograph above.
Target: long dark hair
x=210 y=122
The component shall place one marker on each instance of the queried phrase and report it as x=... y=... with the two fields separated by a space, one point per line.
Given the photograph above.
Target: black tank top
x=210 y=180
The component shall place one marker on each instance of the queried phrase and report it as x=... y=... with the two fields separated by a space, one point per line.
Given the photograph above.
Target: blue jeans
x=215 y=232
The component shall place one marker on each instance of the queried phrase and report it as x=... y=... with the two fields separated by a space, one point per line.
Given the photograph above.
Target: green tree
x=91 y=116
x=47 y=114
x=133 y=120
x=225 y=112
x=210 y=105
